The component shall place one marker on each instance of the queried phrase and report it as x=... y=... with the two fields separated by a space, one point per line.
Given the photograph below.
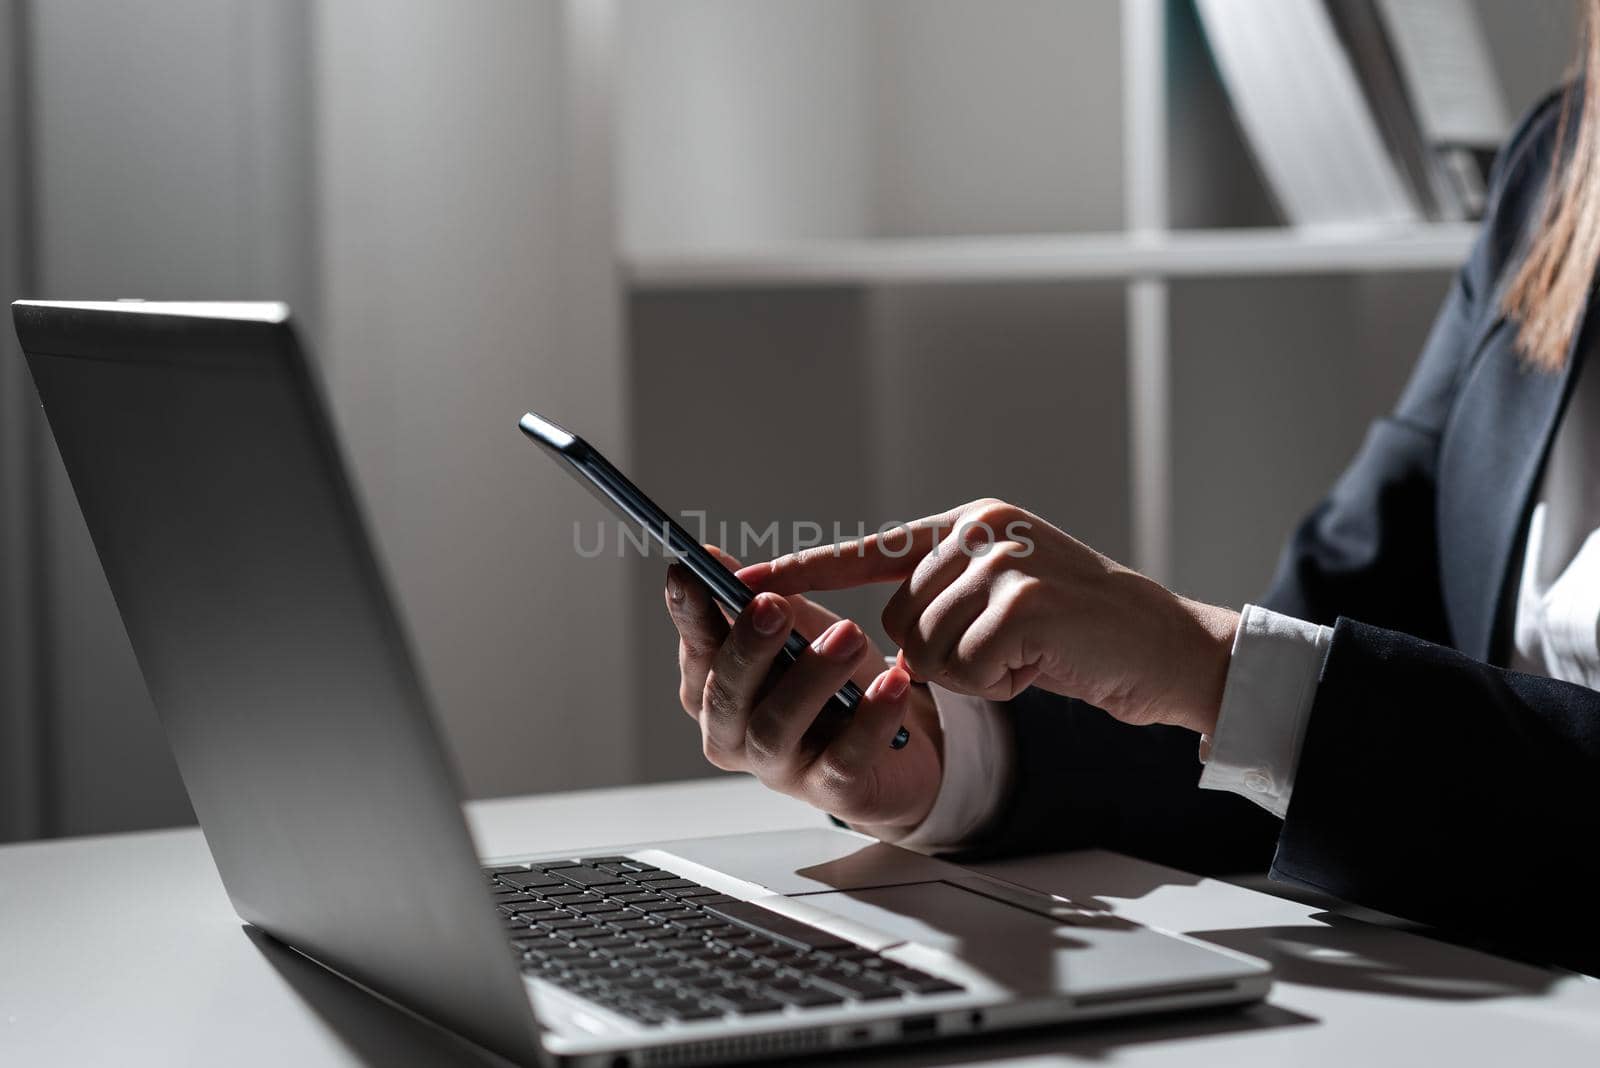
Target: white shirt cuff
x=1266 y=703
x=977 y=773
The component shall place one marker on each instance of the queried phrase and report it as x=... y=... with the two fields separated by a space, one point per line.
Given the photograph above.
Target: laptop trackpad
x=1016 y=948
x=1023 y=951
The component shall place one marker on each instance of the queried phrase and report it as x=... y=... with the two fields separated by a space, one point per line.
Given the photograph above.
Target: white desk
x=123 y=950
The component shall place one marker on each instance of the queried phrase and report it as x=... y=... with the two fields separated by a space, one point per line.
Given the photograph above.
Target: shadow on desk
x=372 y=1030
x=1351 y=954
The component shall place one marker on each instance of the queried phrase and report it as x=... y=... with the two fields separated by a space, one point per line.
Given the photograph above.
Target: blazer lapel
x=1492 y=451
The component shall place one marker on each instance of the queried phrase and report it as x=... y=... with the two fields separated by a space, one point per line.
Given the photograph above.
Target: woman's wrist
x=922 y=717
x=1208 y=633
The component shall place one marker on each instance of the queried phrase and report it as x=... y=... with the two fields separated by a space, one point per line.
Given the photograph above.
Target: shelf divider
x=1147 y=303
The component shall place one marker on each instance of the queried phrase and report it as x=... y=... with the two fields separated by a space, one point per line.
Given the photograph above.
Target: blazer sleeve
x=1443 y=790
x=1368 y=551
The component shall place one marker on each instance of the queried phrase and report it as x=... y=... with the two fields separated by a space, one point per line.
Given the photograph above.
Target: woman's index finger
x=887 y=556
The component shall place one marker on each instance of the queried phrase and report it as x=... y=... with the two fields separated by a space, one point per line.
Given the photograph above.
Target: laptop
x=202 y=454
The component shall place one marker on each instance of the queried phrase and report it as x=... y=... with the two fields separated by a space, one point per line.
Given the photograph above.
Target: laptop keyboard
x=653 y=946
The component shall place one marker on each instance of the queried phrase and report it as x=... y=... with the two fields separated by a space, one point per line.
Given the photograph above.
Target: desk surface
x=124 y=950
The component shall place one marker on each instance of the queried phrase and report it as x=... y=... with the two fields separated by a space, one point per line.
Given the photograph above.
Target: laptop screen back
x=205 y=465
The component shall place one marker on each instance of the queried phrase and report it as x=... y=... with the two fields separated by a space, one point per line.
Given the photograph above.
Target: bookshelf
x=1145 y=255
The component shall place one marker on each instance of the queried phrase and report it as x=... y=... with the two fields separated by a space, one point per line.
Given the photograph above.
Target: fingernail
x=674 y=586
x=754 y=575
x=903 y=664
x=891 y=685
x=842 y=641
x=769 y=616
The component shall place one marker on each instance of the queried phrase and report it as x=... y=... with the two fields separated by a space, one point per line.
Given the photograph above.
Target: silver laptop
x=202 y=454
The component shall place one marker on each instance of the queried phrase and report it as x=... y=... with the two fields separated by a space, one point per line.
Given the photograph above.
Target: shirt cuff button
x=1258 y=782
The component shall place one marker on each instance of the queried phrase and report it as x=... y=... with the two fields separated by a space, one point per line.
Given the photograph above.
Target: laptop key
x=505 y=869
x=531 y=905
x=693 y=890
x=777 y=926
x=747 y=1004
x=587 y=876
x=676 y=884
x=654 y=875
x=638 y=897
x=879 y=965
x=634 y=952
x=687 y=1009
x=573 y=896
x=857 y=987
x=925 y=984
x=654 y=907
x=595 y=908
x=794 y=992
x=568 y=956
x=675 y=914
x=530 y=880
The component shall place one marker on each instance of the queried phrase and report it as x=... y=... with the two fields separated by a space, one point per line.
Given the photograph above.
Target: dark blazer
x=1433 y=784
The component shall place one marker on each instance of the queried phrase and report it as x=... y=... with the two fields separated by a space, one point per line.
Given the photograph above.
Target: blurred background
x=843 y=261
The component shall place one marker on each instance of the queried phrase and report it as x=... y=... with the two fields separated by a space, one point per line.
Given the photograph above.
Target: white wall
x=742 y=120
x=467 y=273
x=994 y=117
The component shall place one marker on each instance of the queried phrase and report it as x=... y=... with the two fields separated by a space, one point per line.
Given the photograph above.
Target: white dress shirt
x=1277 y=659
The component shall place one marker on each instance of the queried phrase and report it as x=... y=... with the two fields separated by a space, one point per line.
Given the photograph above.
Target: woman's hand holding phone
x=990 y=600
x=769 y=724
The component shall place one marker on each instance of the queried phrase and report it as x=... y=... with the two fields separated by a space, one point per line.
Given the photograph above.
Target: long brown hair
x=1550 y=291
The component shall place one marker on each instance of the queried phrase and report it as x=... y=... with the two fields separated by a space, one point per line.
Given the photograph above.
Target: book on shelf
x=1364 y=111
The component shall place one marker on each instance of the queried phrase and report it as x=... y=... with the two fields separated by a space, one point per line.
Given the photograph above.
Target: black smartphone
x=585 y=463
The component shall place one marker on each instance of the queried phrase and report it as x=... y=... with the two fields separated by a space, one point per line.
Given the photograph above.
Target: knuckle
x=992 y=564
x=715 y=754
x=694 y=644
x=1021 y=591
x=718 y=700
x=968 y=655
x=996 y=513
x=836 y=782
x=788 y=571
x=736 y=654
x=764 y=742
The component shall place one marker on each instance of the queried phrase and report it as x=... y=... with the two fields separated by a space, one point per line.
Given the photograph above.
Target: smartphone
x=585 y=463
